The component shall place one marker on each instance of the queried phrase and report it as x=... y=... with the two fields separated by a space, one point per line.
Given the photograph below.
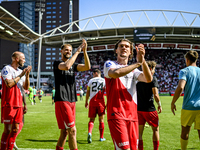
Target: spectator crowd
x=169 y=63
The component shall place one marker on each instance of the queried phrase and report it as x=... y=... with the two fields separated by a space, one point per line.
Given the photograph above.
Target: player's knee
x=72 y=131
x=64 y=132
x=7 y=130
x=92 y=120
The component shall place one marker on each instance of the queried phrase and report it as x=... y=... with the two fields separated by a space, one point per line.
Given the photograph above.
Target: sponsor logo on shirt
x=123 y=143
x=108 y=64
x=5 y=72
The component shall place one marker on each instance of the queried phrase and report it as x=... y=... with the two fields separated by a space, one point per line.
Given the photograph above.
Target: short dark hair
x=192 y=56
x=64 y=45
x=97 y=70
x=131 y=47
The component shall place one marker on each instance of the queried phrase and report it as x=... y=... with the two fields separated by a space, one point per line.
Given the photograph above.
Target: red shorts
x=124 y=133
x=98 y=108
x=12 y=115
x=65 y=114
x=1 y=114
x=150 y=117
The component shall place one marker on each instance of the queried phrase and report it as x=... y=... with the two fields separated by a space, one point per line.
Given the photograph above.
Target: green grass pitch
x=40 y=130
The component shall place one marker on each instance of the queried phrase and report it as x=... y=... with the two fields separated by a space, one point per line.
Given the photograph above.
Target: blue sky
x=89 y=8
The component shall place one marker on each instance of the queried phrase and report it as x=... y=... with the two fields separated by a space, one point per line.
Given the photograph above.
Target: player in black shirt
x=146 y=93
x=65 y=95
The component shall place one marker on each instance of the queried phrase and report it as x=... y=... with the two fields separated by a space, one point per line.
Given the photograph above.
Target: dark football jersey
x=65 y=84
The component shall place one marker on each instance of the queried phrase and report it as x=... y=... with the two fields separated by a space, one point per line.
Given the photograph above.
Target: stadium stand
x=169 y=63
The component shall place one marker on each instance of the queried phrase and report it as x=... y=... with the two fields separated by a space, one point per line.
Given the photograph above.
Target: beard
x=67 y=56
x=20 y=63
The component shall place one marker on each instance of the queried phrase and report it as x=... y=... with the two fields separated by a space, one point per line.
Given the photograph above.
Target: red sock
x=11 y=140
x=156 y=145
x=90 y=126
x=140 y=145
x=101 y=129
x=4 y=139
x=59 y=148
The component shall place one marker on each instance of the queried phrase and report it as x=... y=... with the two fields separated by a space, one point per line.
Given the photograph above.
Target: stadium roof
x=11 y=28
x=171 y=27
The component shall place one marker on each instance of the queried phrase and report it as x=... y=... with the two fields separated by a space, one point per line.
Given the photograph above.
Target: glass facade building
x=27 y=16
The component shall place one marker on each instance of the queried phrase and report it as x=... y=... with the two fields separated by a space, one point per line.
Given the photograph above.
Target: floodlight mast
x=40 y=7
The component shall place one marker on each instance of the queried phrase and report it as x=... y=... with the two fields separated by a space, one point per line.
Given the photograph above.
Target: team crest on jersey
x=5 y=72
x=108 y=64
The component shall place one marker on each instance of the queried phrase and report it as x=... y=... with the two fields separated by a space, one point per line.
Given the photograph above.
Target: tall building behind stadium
x=57 y=13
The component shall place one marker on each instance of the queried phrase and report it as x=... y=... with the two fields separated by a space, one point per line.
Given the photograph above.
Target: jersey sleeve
x=155 y=82
x=89 y=83
x=55 y=64
x=75 y=67
x=182 y=74
x=136 y=73
x=107 y=66
x=5 y=73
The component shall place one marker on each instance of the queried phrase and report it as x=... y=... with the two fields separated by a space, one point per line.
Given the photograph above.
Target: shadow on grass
x=32 y=140
x=79 y=141
x=86 y=142
x=187 y=148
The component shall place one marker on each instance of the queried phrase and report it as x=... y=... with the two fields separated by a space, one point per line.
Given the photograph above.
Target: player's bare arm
x=178 y=91
x=27 y=81
x=157 y=98
x=66 y=65
x=11 y=82
x=24 y=101
x=146 y=76
x=86 y=65
x=119 y=72
x=87 y=97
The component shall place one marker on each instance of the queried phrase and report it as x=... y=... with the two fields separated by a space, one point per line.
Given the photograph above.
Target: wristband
x=159 y=103
x=14 y=81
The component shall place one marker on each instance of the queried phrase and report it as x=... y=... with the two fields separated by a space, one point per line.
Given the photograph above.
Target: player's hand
x=159 y=109
x=28 y=70
x=86 y=105
x=173 y=108
x=140 y=53
x=82 y=46
x=25 y=109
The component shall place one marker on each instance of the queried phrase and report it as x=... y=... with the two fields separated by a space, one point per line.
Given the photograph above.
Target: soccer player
x=65 y=96
x=13 y=80
x=81 y=94
x=95 y=90
x=189 y=80
x=121 y=93
x=53 y=95
x=146 y=93
x=30 y=95
x=34 y=94
x=40 y=95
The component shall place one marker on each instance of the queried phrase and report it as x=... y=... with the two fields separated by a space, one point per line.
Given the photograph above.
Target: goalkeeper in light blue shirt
x=189 y=80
